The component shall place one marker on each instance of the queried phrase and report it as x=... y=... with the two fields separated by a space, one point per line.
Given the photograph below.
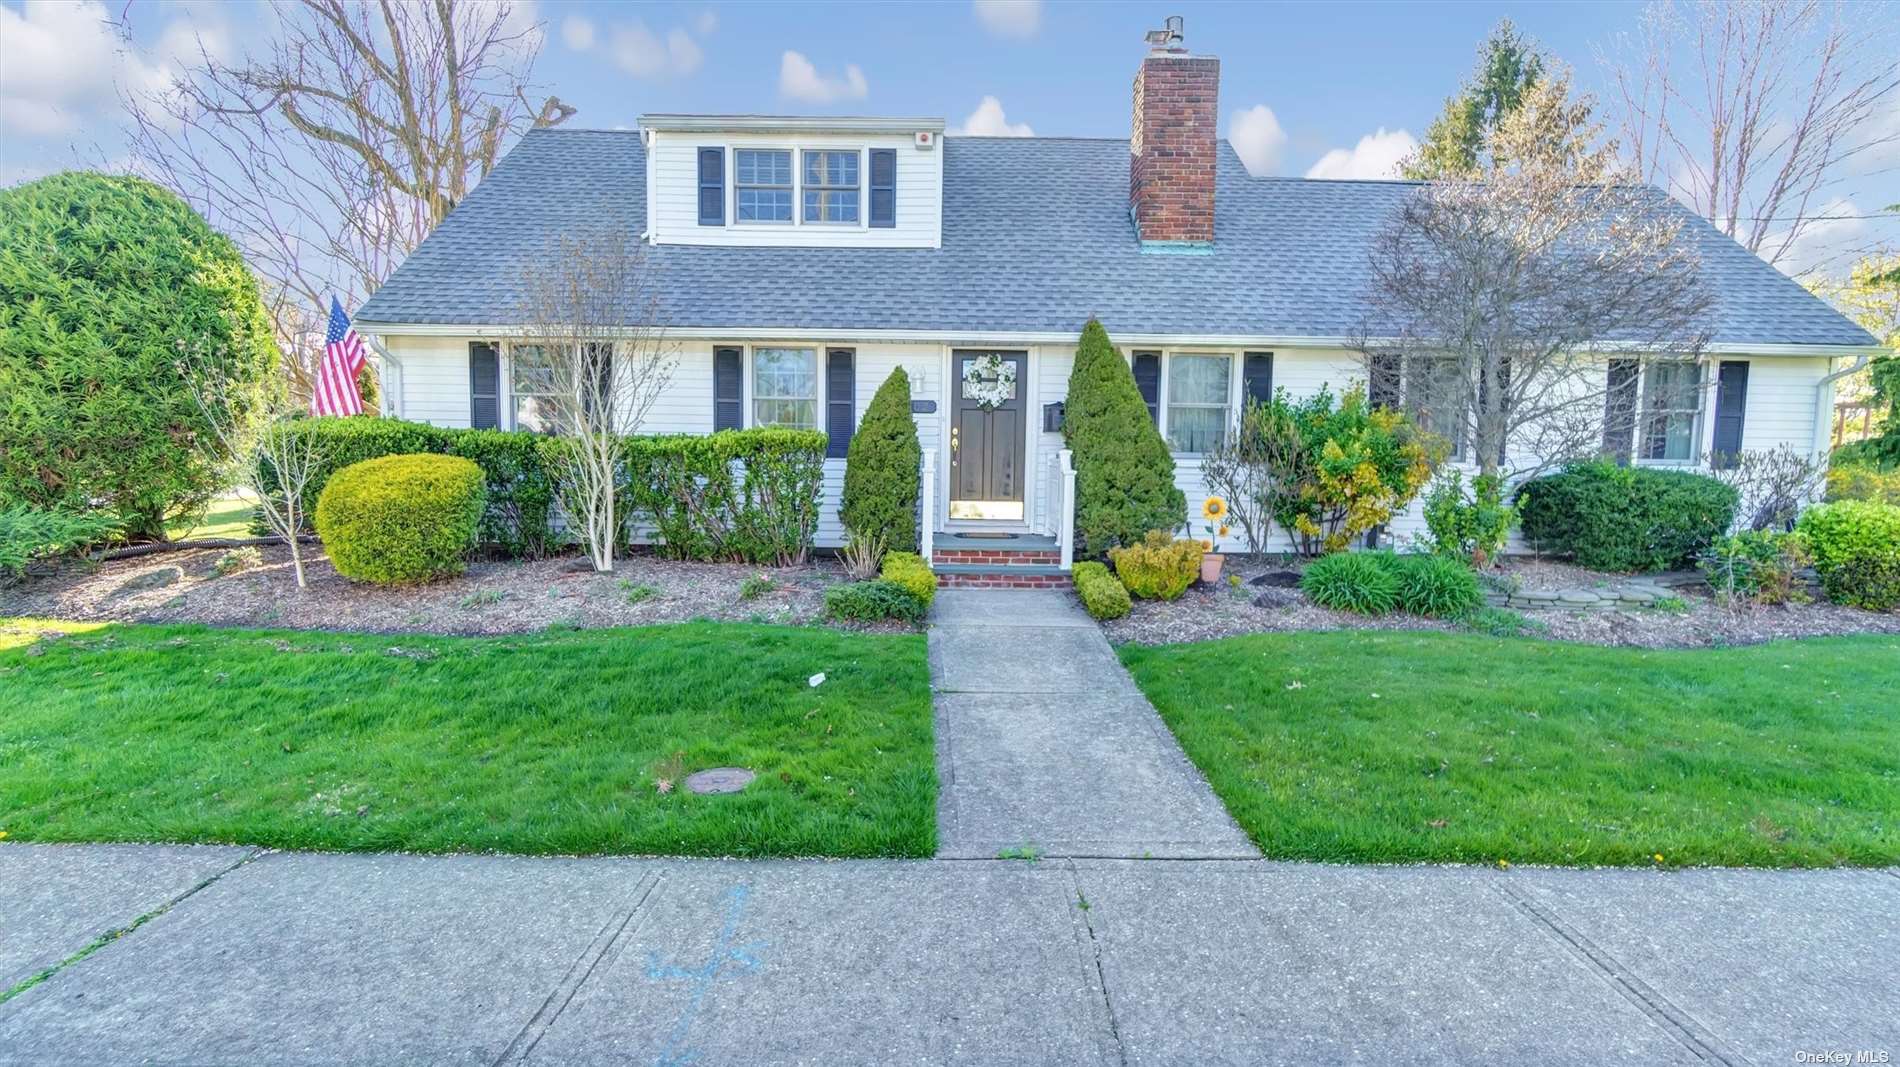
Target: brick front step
x=1002 y=580
x=1004 y=556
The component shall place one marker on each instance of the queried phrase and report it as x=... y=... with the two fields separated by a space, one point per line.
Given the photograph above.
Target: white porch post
x=1067 y=537
x=927 y=505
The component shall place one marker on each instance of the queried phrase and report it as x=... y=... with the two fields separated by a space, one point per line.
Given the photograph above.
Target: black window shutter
x=484 y=385
x=884 y=187
x=1148 y=380
x=1256 y=378
x=712 y=187
x=728 y=383
x=1619 y=410
x=840 y=401
x=1731 y=408
x=1385 y=372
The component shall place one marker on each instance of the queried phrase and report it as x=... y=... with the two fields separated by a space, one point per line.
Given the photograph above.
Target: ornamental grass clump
x=1435 y=586
x=401 y=520
x=1366 y=583
x=1161 y=567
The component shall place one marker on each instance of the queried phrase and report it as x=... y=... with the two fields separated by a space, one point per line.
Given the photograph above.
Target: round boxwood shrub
x=1856 y=547
x=1124 y=473
x=1102 y=593
x=879 y=502
x=1362 y=582
x=1612 y=518
x=1160 y=567
x=1436 y=586
x=909 y=570
x=102 y=279
x=401 y=519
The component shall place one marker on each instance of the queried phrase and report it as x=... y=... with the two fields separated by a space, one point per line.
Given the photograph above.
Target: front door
x=987 y=435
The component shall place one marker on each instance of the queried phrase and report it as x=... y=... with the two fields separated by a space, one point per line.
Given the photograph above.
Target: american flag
x=335 y=392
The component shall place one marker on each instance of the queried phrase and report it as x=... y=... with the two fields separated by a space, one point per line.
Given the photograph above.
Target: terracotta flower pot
x=1210 y=567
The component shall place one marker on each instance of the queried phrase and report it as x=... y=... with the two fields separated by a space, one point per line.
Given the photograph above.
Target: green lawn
x=228 y=516
x=550 y=743
x=1382 y=746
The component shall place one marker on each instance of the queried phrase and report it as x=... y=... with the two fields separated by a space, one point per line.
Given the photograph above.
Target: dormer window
x=762 y=184
x=831 y=186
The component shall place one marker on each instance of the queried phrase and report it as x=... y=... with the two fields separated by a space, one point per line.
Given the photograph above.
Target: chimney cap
x=1169 y=38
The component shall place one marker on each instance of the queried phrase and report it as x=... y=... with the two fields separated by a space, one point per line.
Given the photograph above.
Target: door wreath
x=990 y=381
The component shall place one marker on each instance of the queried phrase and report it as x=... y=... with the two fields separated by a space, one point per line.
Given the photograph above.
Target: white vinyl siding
x=673 y=192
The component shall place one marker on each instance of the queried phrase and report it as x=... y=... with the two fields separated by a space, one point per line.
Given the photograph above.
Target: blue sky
x=1346 y=84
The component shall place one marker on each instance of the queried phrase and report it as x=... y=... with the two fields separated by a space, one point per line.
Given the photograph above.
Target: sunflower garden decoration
x=1214 y=514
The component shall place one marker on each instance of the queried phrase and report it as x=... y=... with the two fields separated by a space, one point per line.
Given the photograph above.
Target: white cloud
x=1377 y=155
x=706 y=22
x=1827 y=245
x=1257 y=138
x=638 y=52
x=1010 y=18
x=63 y=63
x=988 y=120
x=798 y=79
x=578 y=33
x=523 y=23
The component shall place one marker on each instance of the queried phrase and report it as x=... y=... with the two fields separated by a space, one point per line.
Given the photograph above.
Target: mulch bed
x=493 y=597
x=1276 y=605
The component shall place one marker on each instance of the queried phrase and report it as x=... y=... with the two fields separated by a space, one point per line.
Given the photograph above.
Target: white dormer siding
x=674 y=143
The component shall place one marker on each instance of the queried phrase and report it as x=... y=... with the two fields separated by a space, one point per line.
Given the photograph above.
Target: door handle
x=953 y=444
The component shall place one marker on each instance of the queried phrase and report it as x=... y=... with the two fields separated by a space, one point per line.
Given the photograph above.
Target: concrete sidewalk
x=243 y=957
x=1045 y=745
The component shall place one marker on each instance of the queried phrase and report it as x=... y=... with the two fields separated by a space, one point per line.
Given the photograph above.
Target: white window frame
x=509 y=394
x=1461 y=443
x=1698 y=418
x=1227 y=406
x=1167 y=374
x=859 y=189
x=732 y=168
x=752 y=397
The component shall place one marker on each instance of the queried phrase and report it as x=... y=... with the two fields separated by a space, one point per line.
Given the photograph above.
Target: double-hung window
x=531 y=385
x=831 y=186
x=1671 y=401
x=1436 y=398
x=785 y=387
x=1198 y=392
x=762 y=184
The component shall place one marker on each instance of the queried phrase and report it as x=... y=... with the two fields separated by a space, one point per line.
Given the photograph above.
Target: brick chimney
x=1171 y=149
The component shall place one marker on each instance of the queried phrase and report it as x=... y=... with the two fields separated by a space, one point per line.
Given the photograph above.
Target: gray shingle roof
x=1036 y=238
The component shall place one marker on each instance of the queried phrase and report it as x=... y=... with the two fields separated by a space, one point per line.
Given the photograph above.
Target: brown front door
x=987 y=434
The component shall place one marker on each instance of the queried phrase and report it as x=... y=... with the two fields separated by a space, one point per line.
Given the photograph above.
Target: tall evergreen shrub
x=1124 y=473
x=881 y=470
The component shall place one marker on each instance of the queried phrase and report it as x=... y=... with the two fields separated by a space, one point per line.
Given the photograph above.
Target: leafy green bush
x=1470 y=526
x=873 y=601
x=1362 y=582
x=401 y=519
x=909 y=570
x=1161 y=567
x=1102 y=593
x=1124 y=473
x=746 y=495
x=1436 y=586
x=1613 y=518
x=103 y=279
x=879 y=503
x=1361 y=466
x=1856 y=547
x=1759 y=566
x=755 y=586
x=28 y=534
x=1852 y=481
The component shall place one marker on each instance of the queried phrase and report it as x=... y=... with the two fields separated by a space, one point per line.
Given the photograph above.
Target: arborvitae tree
x=1124 y=473
x=1508 y=65
x=879 y=504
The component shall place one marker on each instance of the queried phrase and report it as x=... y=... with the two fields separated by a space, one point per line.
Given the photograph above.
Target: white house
x=797 y=261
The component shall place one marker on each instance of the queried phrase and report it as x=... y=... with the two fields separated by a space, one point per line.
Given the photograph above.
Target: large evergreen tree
x=881 y=470
x=106 y=283
x=1508 y=65
x=1124 y=473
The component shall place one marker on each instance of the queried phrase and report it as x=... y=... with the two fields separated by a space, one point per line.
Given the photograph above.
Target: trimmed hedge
x=1613 y=518
x=873 y=601
x=1124 y=473
x=881 y=470
x=1102 y=593
x=1161 y=567
x=909 y=570
x=1856 y=546
x=750 y=496
x=396 y=520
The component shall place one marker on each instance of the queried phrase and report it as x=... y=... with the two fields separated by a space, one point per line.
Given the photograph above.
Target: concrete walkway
x=1045 y=745
x=241 y=957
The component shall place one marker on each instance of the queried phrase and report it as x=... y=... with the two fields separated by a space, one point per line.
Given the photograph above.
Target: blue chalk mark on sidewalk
x=726 y=960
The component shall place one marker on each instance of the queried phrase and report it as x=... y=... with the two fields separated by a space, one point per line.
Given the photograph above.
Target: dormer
x=794 y=182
